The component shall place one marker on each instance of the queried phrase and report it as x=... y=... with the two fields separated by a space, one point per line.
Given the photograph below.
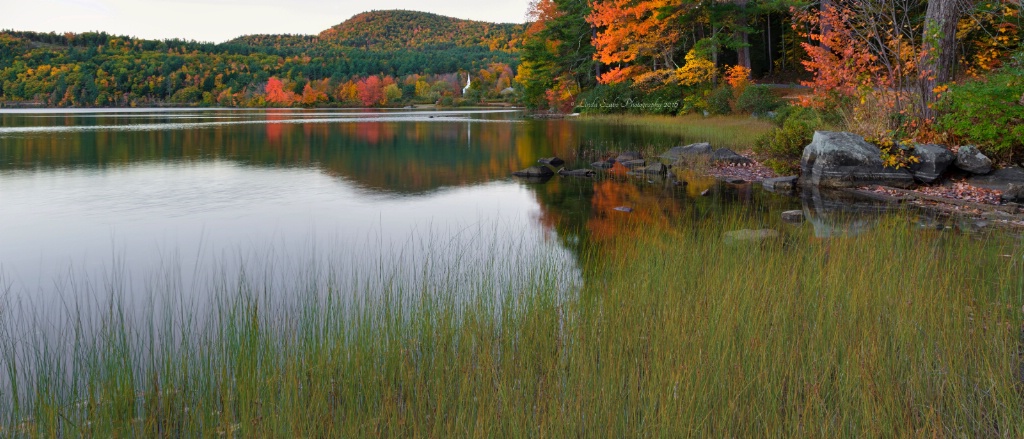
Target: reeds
x=677 y=333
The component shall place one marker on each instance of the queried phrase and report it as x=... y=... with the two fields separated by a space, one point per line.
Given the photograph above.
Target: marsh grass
x=734 y=132
x=896 y=332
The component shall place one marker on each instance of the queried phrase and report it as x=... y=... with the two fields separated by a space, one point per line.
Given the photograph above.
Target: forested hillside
x=392 y=30
x=434 y=53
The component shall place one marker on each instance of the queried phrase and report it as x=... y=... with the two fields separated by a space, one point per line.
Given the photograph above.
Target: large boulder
x=839 y=159
x=970 y=159
x=726 y=155
x=933 y=160
x=681 y=152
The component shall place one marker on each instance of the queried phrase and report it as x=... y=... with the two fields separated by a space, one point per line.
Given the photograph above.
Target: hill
x=395 y=47
x=399 y=29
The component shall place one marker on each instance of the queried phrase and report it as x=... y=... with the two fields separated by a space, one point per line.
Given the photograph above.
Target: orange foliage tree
x=633 y=30
x=277 y=95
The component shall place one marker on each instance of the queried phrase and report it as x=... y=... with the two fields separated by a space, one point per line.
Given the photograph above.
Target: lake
x=134 y=194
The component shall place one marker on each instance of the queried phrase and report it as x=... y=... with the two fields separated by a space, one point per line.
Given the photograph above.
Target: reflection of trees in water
x=406 y=156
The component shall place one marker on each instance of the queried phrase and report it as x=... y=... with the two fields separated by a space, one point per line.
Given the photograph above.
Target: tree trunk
x=743 y=53
x=940 y=39
x=939 y=46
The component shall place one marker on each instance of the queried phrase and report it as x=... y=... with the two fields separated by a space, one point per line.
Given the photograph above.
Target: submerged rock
x=583 y=173
x=634 y=164
x=602 y=165
x=535 y=171
x=655 y=169
x=840 y=159
x=793 y=216
x=726 y=155
x=551 y=161
x=933 y=162
x=970 y=159
x=628 y=156
x=682 y=152
x=780 y=184
x=750 y=235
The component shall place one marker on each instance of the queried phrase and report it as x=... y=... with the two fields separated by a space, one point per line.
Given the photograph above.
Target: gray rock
x=970 y=159
x=933 y=162
x=726 y=155
x=681 y=152
x=1000 y=179
x=551 y=161
x=583 y=173
x=657 y=169
x=628 y=156
x=1014 y=193
x=750 y=235
x=633 y=164
x=793 y=216
x=535 y=171
x=602 y=165
x=839 y=159
x=624 y=209
x=780 y=184
x=735 y=180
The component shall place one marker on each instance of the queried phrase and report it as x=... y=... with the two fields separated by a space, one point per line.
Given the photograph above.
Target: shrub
x=987 y=112
x=719 y=100
x=783 y=145
x=606 y=98
x=758 y=100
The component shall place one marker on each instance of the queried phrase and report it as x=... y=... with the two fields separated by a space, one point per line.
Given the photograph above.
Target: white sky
x=222 y=20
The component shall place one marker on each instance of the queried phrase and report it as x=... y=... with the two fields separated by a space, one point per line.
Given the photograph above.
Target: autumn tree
x=276 y=93
x=556 y=51
x=370 y=91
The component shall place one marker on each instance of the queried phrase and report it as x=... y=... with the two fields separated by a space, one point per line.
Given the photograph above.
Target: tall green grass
x=676 y=333
x=734 y=132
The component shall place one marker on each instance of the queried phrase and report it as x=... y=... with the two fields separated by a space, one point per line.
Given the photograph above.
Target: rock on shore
x=841 y=160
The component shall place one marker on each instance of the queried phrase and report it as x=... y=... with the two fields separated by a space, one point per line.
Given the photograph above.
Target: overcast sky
x=221 y=20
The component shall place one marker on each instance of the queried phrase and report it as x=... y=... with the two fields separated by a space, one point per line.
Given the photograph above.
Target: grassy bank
x=734 y=132
x=897 y=332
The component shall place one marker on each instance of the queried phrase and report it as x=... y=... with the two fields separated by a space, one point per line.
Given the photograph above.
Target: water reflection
x=83 y=189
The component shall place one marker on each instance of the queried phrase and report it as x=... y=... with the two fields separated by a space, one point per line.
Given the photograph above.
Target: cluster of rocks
x=846 y=160
x=635 y=163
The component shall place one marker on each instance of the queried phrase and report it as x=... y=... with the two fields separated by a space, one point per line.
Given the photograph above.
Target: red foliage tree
x=370 y=91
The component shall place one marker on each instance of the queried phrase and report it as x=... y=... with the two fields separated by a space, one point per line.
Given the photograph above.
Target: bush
x=606 y=98
x=758 y=100
x=719 y=101
x=783 y=145
x=988 y=113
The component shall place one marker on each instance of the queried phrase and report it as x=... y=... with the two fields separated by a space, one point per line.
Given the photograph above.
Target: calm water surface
x=131 y=195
